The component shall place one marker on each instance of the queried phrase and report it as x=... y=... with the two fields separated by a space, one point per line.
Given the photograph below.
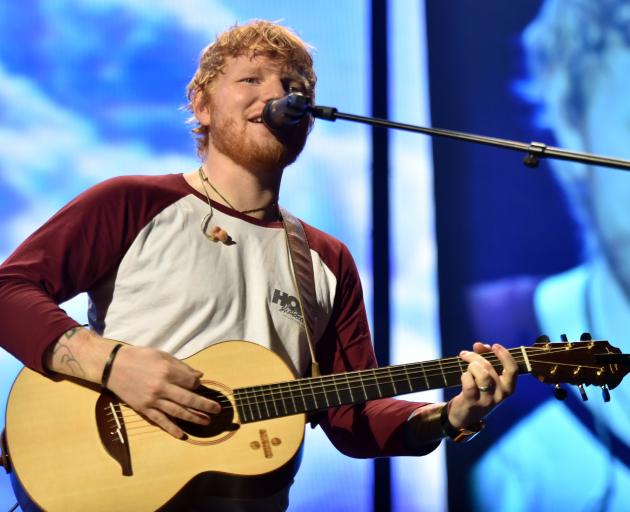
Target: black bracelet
x=107 y=369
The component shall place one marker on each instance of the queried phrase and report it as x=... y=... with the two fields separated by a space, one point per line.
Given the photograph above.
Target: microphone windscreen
x=285 y=111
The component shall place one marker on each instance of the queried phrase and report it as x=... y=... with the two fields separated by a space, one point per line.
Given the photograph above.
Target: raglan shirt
x=136 y=246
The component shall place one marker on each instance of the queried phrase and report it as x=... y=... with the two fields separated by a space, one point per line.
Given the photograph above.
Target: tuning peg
x=563 y=337
x=542 y=339
x=582 y=392
x=559 y=392
x=586 y=336
x=605 y=393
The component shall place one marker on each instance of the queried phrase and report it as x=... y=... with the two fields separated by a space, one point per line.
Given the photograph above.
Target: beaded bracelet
x=107 y=369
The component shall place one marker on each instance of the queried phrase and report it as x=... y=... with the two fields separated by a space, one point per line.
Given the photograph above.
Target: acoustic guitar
x=72 y=447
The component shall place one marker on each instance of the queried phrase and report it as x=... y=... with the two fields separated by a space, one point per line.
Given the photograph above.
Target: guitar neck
x=258 y=403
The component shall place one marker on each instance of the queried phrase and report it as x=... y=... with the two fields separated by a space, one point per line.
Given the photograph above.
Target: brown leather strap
x=300 y=254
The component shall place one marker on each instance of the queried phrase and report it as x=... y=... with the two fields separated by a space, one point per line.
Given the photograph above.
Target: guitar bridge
x=112 y=431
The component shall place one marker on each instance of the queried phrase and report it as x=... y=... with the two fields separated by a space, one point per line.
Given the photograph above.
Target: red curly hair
x=256 y=38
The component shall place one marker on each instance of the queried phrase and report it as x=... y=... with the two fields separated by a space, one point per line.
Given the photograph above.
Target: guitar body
x=60 y=461
x=73 y=448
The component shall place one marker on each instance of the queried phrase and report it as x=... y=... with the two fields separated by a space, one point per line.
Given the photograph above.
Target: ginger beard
x=264 y=152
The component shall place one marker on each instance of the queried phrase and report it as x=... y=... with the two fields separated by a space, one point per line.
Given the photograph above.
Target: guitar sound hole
x=219 y=423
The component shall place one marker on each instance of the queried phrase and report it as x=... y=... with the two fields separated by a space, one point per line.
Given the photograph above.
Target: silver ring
x=484 y=389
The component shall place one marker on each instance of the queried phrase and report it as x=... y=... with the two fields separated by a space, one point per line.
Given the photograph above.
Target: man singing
x=175 y=263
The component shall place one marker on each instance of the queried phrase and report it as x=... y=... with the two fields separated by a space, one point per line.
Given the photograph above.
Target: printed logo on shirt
x=289 y=305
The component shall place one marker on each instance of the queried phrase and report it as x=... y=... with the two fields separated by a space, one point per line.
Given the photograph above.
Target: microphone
x=286 y=111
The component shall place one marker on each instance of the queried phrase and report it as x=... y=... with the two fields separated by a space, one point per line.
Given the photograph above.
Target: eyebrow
x=285 y=74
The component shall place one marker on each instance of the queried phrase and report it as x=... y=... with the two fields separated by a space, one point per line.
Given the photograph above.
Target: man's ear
x=200 y=108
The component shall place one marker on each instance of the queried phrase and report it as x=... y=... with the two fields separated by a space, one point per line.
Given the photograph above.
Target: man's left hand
x=483 y=388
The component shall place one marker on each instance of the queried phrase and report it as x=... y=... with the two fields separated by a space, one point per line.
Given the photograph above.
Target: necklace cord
x=205 y=179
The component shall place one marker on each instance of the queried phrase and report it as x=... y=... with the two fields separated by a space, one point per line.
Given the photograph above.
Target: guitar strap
x=4 y=453
x=302 y=263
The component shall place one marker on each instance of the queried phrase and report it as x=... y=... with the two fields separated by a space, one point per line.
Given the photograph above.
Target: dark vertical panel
x=380 y=224
x=494 y=217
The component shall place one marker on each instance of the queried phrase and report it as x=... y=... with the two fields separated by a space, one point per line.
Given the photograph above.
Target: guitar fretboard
x=257 y=403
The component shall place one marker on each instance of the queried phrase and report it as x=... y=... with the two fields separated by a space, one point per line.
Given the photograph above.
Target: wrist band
x=107 y=369
x=459 y=435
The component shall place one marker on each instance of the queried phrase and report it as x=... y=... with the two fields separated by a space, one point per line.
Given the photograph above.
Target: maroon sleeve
x=80 y=245
x=378 y=427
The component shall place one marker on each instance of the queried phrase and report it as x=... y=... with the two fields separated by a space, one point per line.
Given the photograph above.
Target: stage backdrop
x=524 y=252
x=93 y=89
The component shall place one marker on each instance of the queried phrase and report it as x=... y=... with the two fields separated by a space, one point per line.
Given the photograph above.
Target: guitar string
x=262 y=412
x=278 y=389
x=255 y=395
x=148 y=428
x=266 y=396
x=127 y=412
x=368 y=376
x=426 y=366
x=315 y=392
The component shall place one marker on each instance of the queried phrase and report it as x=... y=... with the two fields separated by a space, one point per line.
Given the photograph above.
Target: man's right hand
x=155 y=384
x=160 y=387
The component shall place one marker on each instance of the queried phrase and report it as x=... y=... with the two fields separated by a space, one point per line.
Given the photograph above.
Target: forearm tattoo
x=64 y=356
x=71 y=332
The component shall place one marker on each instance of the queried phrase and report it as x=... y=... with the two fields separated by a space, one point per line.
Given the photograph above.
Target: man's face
x=237 y=98
x=607 y=131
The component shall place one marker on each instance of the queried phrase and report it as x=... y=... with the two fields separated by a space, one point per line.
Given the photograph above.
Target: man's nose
x=272 y=89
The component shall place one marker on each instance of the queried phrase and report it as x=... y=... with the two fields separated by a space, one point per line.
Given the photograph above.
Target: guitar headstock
x=586 y=362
